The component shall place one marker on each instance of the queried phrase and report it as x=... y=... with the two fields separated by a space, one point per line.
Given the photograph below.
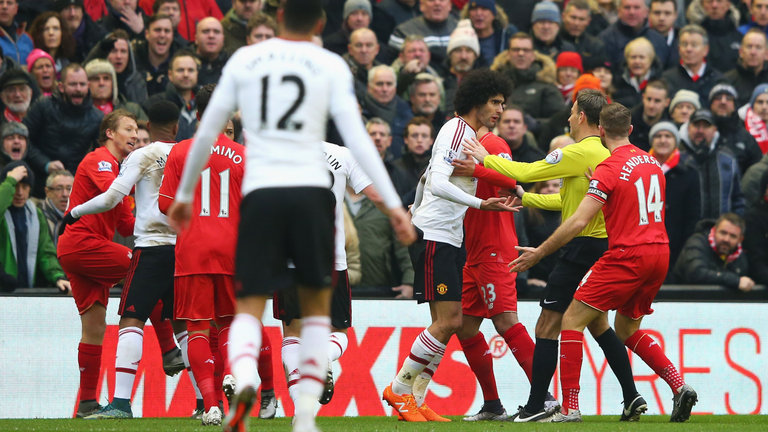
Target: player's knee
x=548 y=325
x=505 y=321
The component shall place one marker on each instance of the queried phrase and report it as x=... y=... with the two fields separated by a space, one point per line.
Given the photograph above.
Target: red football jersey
x=208 y=245
x=632 y=186
x=94 y=176
x=490 y=235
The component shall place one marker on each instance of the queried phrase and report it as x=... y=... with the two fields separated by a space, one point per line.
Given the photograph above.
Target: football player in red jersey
x=89 y=257
x=205 y=263
x=489 y=289
x=629 y=187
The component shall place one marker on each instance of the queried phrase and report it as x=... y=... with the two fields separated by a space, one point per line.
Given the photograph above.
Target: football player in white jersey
x=286 y=88
x=345 y=171
x=150 y=276
x=438 y=257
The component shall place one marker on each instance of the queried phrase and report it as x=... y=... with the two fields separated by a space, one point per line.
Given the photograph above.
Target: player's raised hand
x=463 y=167
x=472 y=147
x=500 y=204
x=401 y=223
x=528 y=258
x=179 y=215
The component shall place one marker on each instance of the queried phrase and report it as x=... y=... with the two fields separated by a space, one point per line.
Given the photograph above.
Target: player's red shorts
x=488 y=289
x=92 y=272
x=625 y=279
x=203 y=297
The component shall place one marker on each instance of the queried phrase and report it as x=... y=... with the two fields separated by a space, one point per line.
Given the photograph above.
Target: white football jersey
x=345 y=171
x=440 y=219
x=144 y=168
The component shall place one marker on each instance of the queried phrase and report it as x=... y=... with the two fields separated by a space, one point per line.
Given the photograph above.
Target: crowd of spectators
x=693 y=72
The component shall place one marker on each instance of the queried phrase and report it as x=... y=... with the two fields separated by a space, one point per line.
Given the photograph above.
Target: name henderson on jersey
x=286 y=57
x=634 y=161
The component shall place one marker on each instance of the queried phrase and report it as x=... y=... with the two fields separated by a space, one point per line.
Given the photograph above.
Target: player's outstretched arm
x=562 y=235
x=501 y=204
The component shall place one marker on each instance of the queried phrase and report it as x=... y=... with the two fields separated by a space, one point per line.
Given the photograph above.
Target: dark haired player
x=629 y=187
x=438 y=256
x=287 y=89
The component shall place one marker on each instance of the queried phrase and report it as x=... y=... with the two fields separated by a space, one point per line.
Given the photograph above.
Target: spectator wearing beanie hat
x=463 y=56
x=733 y=133
x=545 y=28
x=568 y=70
x=357 y=14
x=492 y=27
x=17 y=92
x=682 y=190
x=43 y=68
x=102 y=82
x=683 y=105
x=27 y=253
x=755 y=116
x=14 y=142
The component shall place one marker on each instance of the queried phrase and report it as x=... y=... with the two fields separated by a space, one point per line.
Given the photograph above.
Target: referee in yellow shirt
x=570 y=164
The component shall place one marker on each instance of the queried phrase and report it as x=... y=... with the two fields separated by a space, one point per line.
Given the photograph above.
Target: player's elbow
x=164 y=203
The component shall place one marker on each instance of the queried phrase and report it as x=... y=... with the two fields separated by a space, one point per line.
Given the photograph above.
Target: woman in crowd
x=49 y=35
x=640 y=66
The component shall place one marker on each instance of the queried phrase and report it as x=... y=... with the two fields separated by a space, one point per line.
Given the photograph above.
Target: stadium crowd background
x=694 y=73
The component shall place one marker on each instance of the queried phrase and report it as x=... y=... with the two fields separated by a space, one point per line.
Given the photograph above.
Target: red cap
x=570 y=59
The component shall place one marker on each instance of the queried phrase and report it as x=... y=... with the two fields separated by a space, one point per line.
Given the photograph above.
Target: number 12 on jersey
x=205 y=193
x=650 y=203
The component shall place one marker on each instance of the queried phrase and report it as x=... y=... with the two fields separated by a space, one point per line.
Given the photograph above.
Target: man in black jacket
x=751 y=68
x=714 y=255
x=756 y=238
x=733 y=134
x=576 y=19
x=63 y=127
x=694 y=72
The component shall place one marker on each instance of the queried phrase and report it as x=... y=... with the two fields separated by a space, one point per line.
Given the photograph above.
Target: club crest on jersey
x=450 y=156
x=506 y=156
x=442 y=289
x=105 y=166
x=554 y=157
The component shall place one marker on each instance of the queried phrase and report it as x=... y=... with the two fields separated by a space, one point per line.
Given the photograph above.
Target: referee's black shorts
x=575 y=260
x=282 y=224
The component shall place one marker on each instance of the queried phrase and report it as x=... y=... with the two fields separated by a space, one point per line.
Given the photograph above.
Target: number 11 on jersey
x=205 y=193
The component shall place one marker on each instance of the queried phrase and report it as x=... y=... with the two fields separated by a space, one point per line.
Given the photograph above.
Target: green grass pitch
x=374 y=424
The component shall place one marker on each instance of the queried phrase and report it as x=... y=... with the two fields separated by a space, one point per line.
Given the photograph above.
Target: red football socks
x=265 y=362
x=649 y=350
x=571 y=353
x=89 y=360
x=481 y=362
x=521 y=345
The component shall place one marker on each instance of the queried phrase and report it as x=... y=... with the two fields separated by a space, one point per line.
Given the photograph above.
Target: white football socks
x=313 y=365
x=338 y=342
x=290 y=355
x=243 y=352
x=130 y=344
x=423 y=351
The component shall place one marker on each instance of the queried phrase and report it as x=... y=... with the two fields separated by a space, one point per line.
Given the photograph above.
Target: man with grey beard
x=16 y=93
